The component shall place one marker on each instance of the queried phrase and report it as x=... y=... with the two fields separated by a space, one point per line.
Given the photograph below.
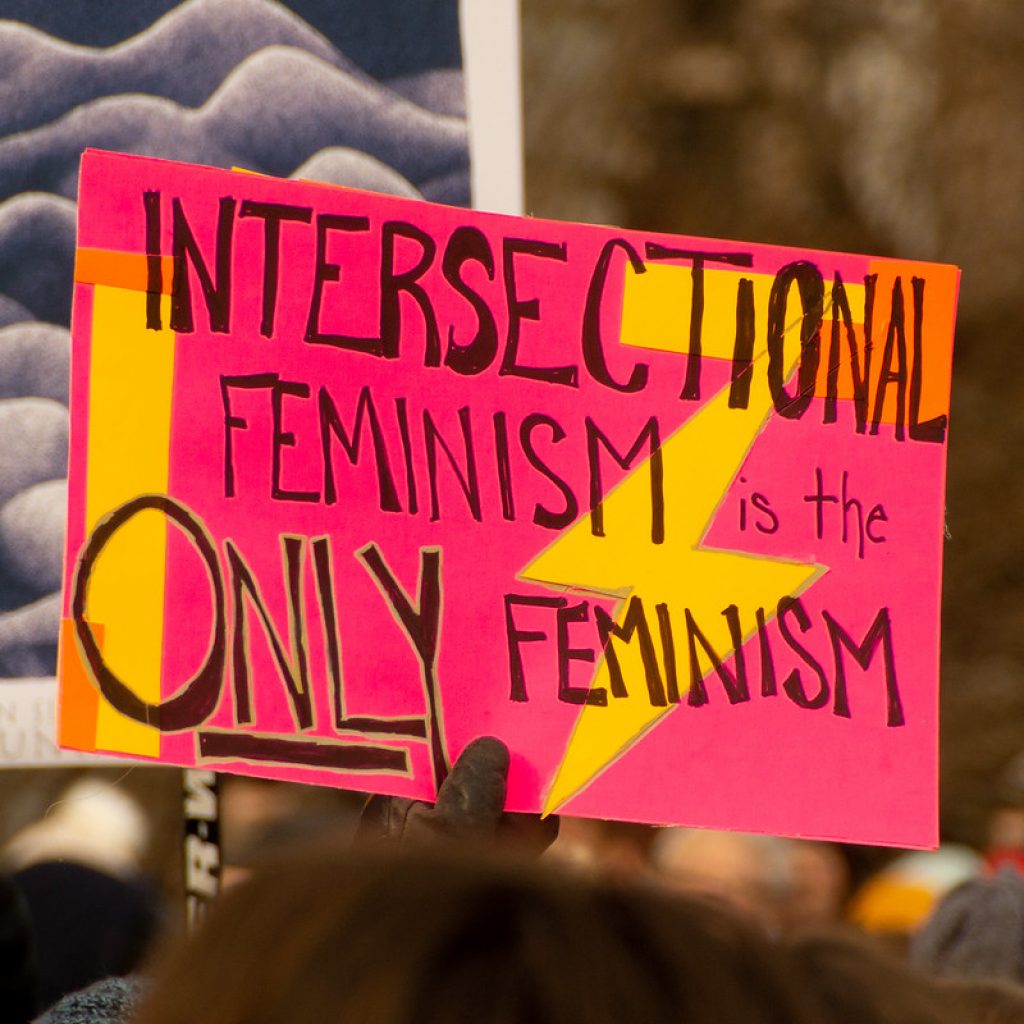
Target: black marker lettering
x=933 y=430
x=593 y=346
x=734 y=683
x=652 y=437
x=793 y=685
x=529 y=309
x=326 y=272
x=351 y=442
x=566 y=655
x=691 y=385
x=232 y=422
x=293 y=669
x=634 y=622
x=393 y=284
x=193 y=703
x=542 y=516
x=216 y=289
x=475 y=356
x=154 y=267
x=285 y=439
x=468 y=482
x=272 y=215
x=811 y=286
x=421 y=624
x=516 y=636
x=880 y=632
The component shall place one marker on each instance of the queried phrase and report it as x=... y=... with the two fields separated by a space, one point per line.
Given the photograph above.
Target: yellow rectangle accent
x=656 y=309
x=130 y=380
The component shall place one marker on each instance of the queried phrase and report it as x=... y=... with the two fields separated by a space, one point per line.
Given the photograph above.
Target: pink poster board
x=356 y=479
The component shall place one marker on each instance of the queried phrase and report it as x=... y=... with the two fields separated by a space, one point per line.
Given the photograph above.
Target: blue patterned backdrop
x=366 y=93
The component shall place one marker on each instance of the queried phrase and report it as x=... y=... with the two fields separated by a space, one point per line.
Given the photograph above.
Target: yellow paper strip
x=130 y=378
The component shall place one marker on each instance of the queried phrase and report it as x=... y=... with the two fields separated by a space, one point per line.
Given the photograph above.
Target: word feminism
x=534 y=436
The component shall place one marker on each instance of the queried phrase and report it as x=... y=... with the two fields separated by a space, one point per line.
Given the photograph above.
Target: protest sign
x=355 y=479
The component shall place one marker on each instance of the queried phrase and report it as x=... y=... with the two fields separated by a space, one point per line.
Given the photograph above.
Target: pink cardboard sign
x=356 y=479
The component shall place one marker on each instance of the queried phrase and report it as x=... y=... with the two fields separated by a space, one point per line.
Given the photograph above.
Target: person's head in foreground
x=854 y=980
x=432 y=938
x=379 y=938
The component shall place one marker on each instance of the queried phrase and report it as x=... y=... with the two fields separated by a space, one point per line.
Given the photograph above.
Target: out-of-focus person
x=976 y=931
x=18 y=981
x=1004 y=841
x=895 y=901
x=92 y=913
x=751 y=873
x=604 y=849
x=819 y=884
x=110 y=1001
x=262 y=819
x=781 y=883
x=423 y=923
x=855 y=980
x=432 y=937
x=984 y=1000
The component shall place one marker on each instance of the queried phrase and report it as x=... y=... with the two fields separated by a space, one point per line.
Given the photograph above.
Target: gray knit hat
x=111 y=1001
x=977 y=931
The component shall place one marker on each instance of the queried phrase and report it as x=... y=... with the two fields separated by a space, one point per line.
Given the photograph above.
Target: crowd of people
x=458 y=911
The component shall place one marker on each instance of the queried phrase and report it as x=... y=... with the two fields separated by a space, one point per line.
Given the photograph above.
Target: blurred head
x=984 y=1000
x=17 y=963
x=780 y=882
x=435 y=939
x=92 y=822
x=858 y=982
x=92 y=914
x=894 y=902
x=605 y=849
x=819 y=884
x=976 y=931
x=751 y=873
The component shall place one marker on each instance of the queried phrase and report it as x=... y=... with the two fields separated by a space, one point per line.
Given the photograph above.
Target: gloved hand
x=469 y=808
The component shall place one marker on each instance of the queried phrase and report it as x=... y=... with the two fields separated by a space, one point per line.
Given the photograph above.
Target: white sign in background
x=28 y=717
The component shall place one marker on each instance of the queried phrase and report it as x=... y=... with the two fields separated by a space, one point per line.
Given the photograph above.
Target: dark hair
x=387 y=939
x=859 y=982
x=985 y=1000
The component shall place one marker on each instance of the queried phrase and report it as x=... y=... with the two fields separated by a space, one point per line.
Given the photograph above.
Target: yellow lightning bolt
x=700 y=461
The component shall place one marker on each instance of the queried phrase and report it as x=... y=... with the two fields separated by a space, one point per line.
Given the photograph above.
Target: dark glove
x=469 y=808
